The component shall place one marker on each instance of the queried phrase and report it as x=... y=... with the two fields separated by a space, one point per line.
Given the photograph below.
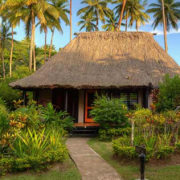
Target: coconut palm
x=87 y=23
x=135 y=11
x=170 y=10
x=32 y=9
x=111 y=23
x=61 y=6
x=6 y=35
x=14 y=19
x=70 y=20
x=98 y=8
x=121 y=4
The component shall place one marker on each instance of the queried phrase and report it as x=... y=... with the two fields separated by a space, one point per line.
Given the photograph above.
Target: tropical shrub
x=109 y=134
x=57 y=119
x=13 y=164
x=109 y=113
x=8 y=94
x=4 y=121
x=169 y=94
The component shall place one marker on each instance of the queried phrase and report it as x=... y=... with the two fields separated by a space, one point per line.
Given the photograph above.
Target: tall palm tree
x=135 y=10
x=33 y=9
x=98 y=8
x=111 y=23
x=6 y=35
x=61 y=6
x=14 y=19
x=166 y=12
x=87 y=23
x=70 y=20
x=120 y=9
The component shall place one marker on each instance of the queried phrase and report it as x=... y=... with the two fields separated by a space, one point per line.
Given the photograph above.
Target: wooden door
x=89 y=100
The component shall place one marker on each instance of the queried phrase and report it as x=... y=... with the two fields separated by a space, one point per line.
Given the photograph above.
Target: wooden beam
x=66 y=100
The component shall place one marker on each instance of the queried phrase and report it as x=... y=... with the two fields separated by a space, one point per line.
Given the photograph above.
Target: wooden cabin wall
x=43 y=96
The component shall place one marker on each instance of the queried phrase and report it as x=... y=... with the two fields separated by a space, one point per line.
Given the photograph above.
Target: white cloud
x=161 y=32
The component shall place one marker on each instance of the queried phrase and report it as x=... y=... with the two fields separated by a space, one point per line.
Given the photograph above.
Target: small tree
x=169 y=93
x=109 y=112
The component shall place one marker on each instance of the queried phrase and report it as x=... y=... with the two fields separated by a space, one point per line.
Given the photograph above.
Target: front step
x=84 y=131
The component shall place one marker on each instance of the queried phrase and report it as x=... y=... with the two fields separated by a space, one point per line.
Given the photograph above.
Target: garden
x=32 y=138
x=156 y=129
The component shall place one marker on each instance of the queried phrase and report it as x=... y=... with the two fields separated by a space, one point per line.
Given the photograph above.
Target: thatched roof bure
x=104 y=60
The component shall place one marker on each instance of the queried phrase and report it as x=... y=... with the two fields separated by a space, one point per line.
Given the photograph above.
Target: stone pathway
x=89 y=163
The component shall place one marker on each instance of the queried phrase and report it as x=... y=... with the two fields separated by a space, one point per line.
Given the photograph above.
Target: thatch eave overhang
x=100 y=60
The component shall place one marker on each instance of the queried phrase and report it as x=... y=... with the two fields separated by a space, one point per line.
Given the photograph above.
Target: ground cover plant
x=31 y=138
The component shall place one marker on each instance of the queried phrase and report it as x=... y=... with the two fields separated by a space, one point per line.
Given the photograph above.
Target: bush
x=109 y=113
x=57 y=119
x=8 y=94
x=169 y=94
x=12 y=164
x=164 y=152
x=4 y=121
x=109 y=134
x=122 y=148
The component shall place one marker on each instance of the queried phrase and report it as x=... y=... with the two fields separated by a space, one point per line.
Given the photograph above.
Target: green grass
x=131 y=172
x=66 y=171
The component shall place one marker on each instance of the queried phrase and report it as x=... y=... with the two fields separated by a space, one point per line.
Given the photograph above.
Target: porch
x=79 y=103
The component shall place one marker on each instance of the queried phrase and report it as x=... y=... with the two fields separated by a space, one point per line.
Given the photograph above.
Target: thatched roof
x=104 y=60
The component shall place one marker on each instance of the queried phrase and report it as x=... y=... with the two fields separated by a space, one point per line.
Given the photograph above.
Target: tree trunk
x=126 y=22
x=164 y=26
x=132 y=132
x=3 y=63
x=32 y=42
x=11 y=55
x=70 y=20
x=50 y=48
x=137 y=26
x=34 y=46
x=121 y=14
x=45 y=44
x=97 y=21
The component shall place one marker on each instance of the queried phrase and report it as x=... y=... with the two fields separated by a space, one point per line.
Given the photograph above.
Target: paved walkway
x=89 y=163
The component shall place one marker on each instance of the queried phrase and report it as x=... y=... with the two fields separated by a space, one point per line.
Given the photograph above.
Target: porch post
x=66 y=100
x=24 y=98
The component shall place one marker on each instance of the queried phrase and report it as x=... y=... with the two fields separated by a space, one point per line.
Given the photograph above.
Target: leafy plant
x=169 y=93
x=109 y=113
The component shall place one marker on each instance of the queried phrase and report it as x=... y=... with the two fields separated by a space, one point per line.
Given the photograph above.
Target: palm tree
x=120 y=9
x=14 y=19
x=70 y=20
x=61 y=6
x=97 y=8
x=5 y=35
x=135 y=10
x=166 y=12
x=87 y=23
x=32 y=9
x=111 y=23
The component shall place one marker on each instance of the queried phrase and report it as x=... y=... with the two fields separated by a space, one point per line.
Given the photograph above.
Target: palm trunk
x=34 y=46
x=137 y=26
x=70 y=20
x=164 y=26
x=32 y=42
x=126 y=22
x=45 y=44
x=3 y=63
x=97 y=21
x=121 y=15
x=11 y=55
x=50 y=49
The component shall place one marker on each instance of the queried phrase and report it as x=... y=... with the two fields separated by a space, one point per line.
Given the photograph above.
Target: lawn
x=131 y=172
x=65 y=171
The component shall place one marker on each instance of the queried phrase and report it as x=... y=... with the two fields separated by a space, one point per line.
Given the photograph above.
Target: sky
x=61 y=40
